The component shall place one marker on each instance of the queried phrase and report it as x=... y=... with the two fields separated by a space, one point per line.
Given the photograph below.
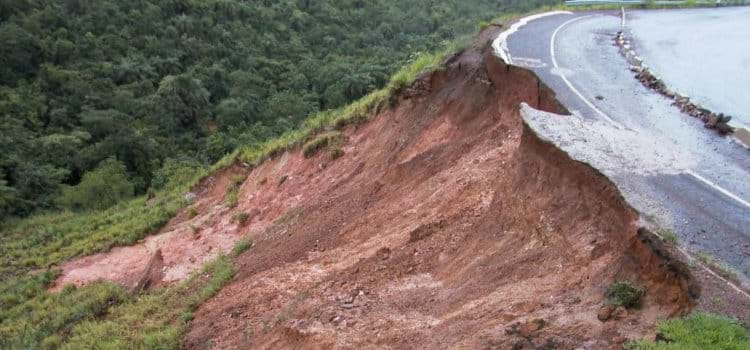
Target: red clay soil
x=447 y=224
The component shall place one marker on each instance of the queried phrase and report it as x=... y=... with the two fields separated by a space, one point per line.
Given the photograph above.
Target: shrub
x=52 y=342
x=233 y=192
x=192 y=212
x=336 y=153
x=100 y=188
x=668 y=236
x=232 y=198
x=697 y=331
x=175 y=173
x=241 y=218
x=625 y=293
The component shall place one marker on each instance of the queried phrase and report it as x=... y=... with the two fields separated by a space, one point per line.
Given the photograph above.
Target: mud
x=446 y=224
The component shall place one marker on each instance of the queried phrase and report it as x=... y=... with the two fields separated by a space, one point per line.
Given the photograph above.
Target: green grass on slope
x=38 y=321
x=354 y=113
x=31 y=247
x=698 y=331
x=152 y=321
x=105 y=316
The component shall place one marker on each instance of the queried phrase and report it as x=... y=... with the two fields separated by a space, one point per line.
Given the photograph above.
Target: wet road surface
x=699 y=53
x=704 y=195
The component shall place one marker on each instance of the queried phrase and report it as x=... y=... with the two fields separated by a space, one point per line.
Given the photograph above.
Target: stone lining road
x=704 y=54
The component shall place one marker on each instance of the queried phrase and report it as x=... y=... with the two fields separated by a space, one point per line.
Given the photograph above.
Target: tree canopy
x=142 y=81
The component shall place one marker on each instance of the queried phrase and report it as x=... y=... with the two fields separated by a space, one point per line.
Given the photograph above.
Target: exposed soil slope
x=446 y=224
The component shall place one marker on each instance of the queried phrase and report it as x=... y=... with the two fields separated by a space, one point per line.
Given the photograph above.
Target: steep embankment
x=446 y=223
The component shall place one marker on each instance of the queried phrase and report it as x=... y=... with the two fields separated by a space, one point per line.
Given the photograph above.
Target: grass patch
x=696 y=332
x=668 y=236
x=242 y=246
x=625 y=293
x=38 y=323
x=153 y=321
x=192 y=212
x=718 y=266
x=34 y=245
x=233 y=191
x=241 y=218
x=336 y=153
x=323 y=140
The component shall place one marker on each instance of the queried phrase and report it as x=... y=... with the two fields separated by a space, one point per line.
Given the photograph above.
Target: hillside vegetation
x=84 y=83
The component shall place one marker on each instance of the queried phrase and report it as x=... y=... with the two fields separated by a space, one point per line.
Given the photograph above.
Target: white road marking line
x=568 y=83
x=501 y=42
x=718 y=188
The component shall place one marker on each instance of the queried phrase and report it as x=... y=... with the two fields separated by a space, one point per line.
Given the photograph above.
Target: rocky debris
x=605 y=312
x=711 y=120
x=526 y=329
x=383 y=253
x=610 y=312
x=619 y=340
x=424 y=231
x=620 y=313
x=421 y=86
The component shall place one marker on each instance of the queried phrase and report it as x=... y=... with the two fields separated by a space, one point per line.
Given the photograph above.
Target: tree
x=232 y=112
x=184 y=99
x=19 y=53
x=100 y=188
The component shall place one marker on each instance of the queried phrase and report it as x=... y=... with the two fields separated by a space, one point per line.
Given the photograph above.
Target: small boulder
x=713 y=119
x=531 y=327
x=620 y=313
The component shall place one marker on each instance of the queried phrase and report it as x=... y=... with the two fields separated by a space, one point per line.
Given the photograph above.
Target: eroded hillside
x=443 y=222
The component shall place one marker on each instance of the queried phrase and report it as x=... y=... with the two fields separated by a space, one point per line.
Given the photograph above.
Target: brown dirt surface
x=446 y=224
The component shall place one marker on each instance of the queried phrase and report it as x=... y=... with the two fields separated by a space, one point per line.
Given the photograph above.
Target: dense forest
x=96 y=96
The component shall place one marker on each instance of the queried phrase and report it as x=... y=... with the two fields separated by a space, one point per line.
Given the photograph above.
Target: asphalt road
x=702 y=192
x=702 y=54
